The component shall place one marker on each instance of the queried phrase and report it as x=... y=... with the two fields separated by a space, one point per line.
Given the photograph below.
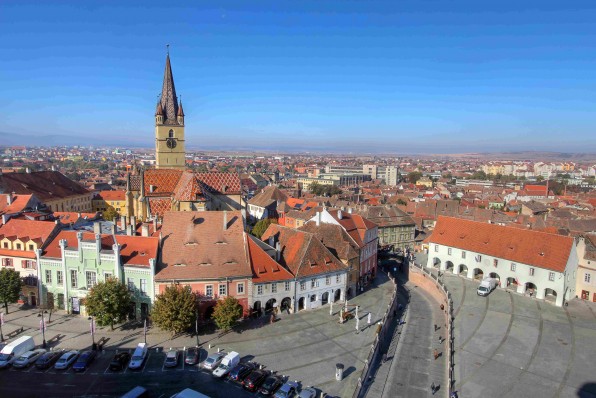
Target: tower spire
x=168 y=99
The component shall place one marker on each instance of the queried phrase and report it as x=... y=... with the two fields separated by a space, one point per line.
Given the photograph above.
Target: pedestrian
x=435 y=327
x=440 y=339
x=442 y=307
x=436 y=353
x=384 y=357
x=432 y=388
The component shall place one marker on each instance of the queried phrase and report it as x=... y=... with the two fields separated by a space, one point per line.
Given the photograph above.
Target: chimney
x=133 y=222
x=339 y=215
x=155 y=224
x=129 y=230
x=97 y=227
x=151 y=188
x=277 y=251
x=225 y=220
x=123 y=223
x=349 y=210
x=113 y=228
x=9 y=199
x=145 y=229
x=5 y=219
x=28 y=170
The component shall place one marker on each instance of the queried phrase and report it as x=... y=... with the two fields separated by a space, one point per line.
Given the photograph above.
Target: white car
x=66 y=360
x=138 y=357
x=28 y=358
x=213 y=361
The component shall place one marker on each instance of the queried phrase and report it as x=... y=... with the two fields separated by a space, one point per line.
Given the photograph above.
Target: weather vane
x=168 y=49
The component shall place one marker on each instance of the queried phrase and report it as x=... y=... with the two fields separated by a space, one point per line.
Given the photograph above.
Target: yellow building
x=169 y=126
x=427 y=182
x=115 y=199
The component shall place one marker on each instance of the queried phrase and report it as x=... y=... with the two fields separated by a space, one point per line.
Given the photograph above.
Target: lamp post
x=92 y=326
x=42 y=326
x=197 y=327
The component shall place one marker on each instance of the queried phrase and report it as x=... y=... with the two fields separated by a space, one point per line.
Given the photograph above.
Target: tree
x=479 y=175
x=414 y=176
x=175 y=310
x=108 y=302
x=402 y=202
x=10 y=287
x=110 y=214
x=227 y=312
x=539 y=178
x=261 y=226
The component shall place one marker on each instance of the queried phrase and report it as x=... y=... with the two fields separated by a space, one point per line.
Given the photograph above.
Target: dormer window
x=18 y=246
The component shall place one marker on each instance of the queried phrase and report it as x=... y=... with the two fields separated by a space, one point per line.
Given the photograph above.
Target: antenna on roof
x=168 y=49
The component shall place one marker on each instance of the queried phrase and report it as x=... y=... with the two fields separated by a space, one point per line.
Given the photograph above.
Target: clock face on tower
x=171 y=143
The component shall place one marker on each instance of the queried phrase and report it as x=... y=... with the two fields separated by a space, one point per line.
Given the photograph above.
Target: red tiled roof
x=17 y=253
x=164 y=181
x=518 y=245
x=18 y=203
x=66 y=217
x=221 y=183
x=110 y=195
x=53 y=249
x=158 y=207
x=188 y=188
x=137 y=250
x=21 y=229
x=45 y=185
x=264 y=268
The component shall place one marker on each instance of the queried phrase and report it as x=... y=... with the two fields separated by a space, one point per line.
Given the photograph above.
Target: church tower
x=169 y=125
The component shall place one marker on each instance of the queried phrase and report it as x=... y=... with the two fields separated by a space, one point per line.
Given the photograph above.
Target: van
x=137 y=392
x=486 y=286
x=231 y=360
x=138 y=356
x=13 y=350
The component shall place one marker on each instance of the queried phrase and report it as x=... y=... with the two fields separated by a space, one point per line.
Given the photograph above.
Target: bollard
x=218 y=349
x=156 y=350
x=339 y=371
x=209 y=345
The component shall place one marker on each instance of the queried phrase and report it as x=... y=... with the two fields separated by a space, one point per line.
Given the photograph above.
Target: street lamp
x=42 y=326
x=197 y=327
x=92 y=325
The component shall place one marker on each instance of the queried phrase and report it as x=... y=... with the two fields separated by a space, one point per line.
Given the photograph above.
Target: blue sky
x=361 y=76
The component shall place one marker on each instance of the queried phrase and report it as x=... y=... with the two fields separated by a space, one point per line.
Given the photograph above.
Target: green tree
x=261 y=226
x=108 y=302
x=402 y=202
x=479 y=175
x=110 y=214
x=10 y=287
x=414 y=176
x=227 y=312
x=539 y=178
x=175 y=310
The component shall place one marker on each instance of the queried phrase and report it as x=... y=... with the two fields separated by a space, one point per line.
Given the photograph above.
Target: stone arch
x=436 y=262
x=550 y=295
x=270 y=304
x=511 y=283
x=496 y=276
x=531 y=289
x=478 y=274
x=256 y=308
x=325 y=298
x=463 y=270
x=337 y=295
x=208 y=314
x=286 y=304
x=301 y=304
x=449 y=266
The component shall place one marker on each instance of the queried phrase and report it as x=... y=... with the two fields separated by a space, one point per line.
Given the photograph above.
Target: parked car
x=213 y=361
x=231 y=360
x=254 y=380
x=84 y=361
x=192 y=356
x=288 y=390
x=48 y=359
x=28 y=358
x=11 y=351
x=240 y=371
x=271 y=384
x=308 y=392
x=66 y=360
x=119 y=361
x=138 y=357
x=171 y=359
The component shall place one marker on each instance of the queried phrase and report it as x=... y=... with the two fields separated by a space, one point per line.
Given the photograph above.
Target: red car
x=254 y=380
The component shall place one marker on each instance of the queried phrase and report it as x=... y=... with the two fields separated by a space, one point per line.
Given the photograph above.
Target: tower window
x=171 y=134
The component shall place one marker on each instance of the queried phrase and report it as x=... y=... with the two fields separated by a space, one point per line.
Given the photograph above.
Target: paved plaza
x=304 y=346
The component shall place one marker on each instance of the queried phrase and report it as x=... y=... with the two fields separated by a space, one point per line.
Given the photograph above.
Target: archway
x=337 y=295
x=325 y=298
x=256 y=309
x=478 y=274
x=512 y=283
x=209 y=313
x=270 y=305
x=436 y=262
x=463 y=269
x=286 y=304
x=301 y=304
x=449 y=266
x=496 y=276
x=531 y=289
x=32 y=299
x=550 y=295
x=313 y=298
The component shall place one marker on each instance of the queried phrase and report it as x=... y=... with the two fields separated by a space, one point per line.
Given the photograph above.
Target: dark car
x=48 y=359
x=254 y=380
x=119 y=361
x=84 y=361
x=271 y=384
x=192 y=356
x=240 y=371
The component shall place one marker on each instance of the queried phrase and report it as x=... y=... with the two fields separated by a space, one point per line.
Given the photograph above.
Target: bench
x=15 y=332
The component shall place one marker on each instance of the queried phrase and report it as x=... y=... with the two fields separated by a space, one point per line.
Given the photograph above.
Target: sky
x=325 y=75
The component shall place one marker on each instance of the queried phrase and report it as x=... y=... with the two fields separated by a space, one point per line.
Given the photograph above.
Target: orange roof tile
x=28 y=229
x=111 y=195
x=137 y=250
x=264 y=268
x=518 y=245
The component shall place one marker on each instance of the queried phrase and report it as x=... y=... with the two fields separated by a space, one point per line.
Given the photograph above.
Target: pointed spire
x=159 y=110
x=180 y=111
x=168 y=100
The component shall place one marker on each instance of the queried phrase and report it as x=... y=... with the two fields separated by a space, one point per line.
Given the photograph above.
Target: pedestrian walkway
x=411 y=369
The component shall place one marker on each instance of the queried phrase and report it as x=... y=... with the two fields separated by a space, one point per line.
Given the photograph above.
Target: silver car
x=28 y=358
x=66 y=360
x=213 y=361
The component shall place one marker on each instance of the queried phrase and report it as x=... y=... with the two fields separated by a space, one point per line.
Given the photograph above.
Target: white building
x=539 y=264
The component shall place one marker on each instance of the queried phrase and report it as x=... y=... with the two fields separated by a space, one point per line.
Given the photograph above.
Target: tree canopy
x=227 y=312
x=261 y=226
x=324 y=189
x=110 y=214
x=108 y=302
x=175 y=310
x=414 y=176
x=10 y=287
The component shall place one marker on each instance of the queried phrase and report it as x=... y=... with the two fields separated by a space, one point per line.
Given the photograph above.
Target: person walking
x=436 y=353
x=433 y=388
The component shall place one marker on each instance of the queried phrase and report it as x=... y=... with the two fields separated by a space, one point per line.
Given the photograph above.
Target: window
x=91 y=279
x=223 y=290
x=7 y=262
x=463 y=254
x=328 y=280
x=274 y=288
x=495 y=262
x=287 y=286
x=209 y=290
x=48 y=276
x=5 y=245
x=337 y=278
x=18 y=246
x=513 y=267
x=302 y=285
x=131 y=284
x=59 y=278
x=313 y=298
x=143 y=287
x=478 y=258
x=313 y=283
x=28 y=264
x=587 y=277
x=551 y=276
x=171 y=134
x=449 y=251
x=436 y=248
x=107 y=276
x=31 y=247
x=240 y=288
x=73 y=278
x=531 y=271
x=259 y=290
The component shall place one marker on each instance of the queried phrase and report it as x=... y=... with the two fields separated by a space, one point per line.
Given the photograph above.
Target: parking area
x=511 y=345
